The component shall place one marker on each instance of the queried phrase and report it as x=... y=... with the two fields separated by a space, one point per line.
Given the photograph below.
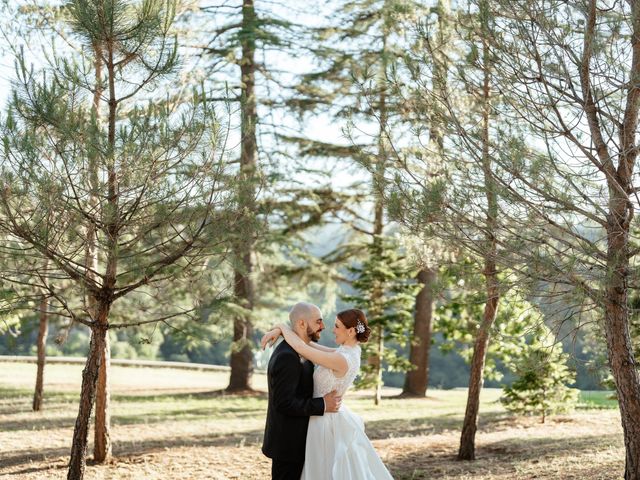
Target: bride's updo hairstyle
x=354 y=318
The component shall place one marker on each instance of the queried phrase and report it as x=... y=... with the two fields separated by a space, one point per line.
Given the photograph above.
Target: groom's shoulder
x=283 y=351
x=283 y=357
x=284 y=348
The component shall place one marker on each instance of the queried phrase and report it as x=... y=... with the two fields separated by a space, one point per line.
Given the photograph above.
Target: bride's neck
x=352 y=342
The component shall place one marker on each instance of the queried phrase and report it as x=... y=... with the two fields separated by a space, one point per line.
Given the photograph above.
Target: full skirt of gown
x=338 y=449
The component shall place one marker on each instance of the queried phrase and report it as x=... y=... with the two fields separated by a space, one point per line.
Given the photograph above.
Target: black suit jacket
x=290 y=405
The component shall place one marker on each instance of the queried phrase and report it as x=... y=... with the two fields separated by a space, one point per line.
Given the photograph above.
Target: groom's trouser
x=286 y=470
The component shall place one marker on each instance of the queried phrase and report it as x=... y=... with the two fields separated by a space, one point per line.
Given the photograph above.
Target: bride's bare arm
x=270 y=338
x=322 y=348
x=331 y=360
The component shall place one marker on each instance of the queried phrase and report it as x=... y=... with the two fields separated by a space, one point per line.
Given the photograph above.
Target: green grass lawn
x=170 y=423
x=146 y=396
x=591 y=399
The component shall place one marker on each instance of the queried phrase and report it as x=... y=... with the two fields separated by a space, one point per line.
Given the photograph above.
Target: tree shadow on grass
x=241 y=438
x=40 y=424
x=535 y=448
x=500 y=457
x=19 y=399
x=196 y=395
x=389 y=427
x=431 y=461
x=231 y=405
x=186 y=414
x=14 y=400
x=29 y=456
x=131 y=448
x=37 y=425
x=201 y=411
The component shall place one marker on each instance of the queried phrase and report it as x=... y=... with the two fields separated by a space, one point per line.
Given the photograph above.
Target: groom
x=290 y=381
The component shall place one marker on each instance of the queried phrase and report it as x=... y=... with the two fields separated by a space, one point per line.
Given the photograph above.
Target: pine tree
x=357 y=53
x=541 y=387
x=440 y=35
x=386 y=292
x=89 y=160
x=460 y=203
x=241 y=44
x=563 y=157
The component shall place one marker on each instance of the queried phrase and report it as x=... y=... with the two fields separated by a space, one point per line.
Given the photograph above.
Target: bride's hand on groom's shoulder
x=266 y=341
x=269 y=338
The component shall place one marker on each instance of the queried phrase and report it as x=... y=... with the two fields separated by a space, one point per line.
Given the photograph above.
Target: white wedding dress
x=337 y=446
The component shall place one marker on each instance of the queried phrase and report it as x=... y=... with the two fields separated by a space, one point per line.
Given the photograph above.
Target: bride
x=337 y=447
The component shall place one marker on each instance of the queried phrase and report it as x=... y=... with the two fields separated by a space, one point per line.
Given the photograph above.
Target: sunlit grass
x=183 y=417
x=155 y=395
x=590 y=399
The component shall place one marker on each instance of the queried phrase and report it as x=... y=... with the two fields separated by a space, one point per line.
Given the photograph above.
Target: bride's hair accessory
x=359 y=327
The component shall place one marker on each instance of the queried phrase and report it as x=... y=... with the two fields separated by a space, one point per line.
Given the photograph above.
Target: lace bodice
x=324 y=380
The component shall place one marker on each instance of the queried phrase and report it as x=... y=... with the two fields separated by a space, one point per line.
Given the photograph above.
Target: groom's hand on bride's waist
x=332 y=402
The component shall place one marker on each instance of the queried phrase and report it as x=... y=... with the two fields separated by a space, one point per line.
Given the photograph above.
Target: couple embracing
x=308 y=434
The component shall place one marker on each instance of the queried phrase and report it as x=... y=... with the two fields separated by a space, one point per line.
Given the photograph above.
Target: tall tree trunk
x=378 y=360
x=102 y=435
x=376 y=310
x=102 y=448
x=241 y=361
x=621 y=207
x=417 y=380
x=99 y=307
x=77 y=461
x=476 y=377
x=42 y=344
x=622 y=361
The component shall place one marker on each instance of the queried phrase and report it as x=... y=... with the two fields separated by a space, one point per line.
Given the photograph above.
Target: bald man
x=291 y=402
